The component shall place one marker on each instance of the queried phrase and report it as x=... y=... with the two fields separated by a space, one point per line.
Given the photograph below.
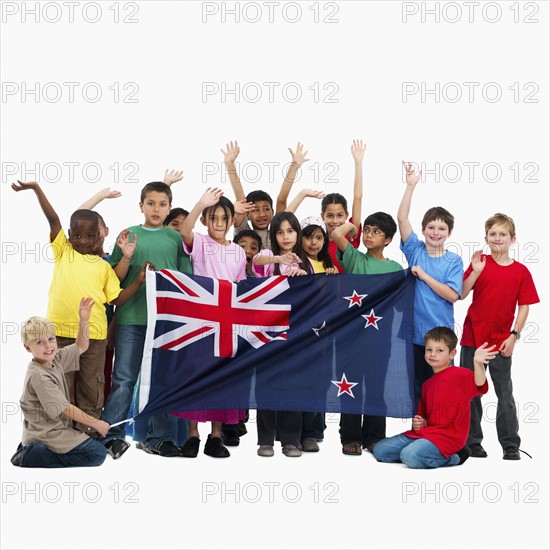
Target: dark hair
x=438 y=213
x=442 y=334
x=383 y=221
x=248 y=233
x=156 y=186
x=256 y=196
x=276 y=223
x=334 y=198
x=323 y=255
x=227 y=206
x=174 y=213
x=85 y=215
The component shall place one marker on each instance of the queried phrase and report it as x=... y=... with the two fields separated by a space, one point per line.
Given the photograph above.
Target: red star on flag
x=344 y=386
x=355 y=299
x=372 y=319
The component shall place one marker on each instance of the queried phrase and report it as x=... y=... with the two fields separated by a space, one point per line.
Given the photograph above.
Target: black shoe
x=16 y=458
x=190 y=448
x=214 y=447
x=164 y=448
x=231 y=439
x=241 y=430
x=477 y=451
x=116 y=447
x=464 y=454
x=511 y=453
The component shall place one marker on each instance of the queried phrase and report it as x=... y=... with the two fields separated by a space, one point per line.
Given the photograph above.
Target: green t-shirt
x=357 y=263
x=161 y=247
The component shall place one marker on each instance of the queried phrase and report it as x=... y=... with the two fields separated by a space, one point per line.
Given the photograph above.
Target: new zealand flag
x=316 y=343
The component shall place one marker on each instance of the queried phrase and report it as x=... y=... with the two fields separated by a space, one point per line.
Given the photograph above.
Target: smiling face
x=499 y=239
x=218 y=222
x=312 y=244
x=155 y=208
x=438 y=355
x=84 y=235
x=261 y=216
x=286 y=237
x=43 y=349
x=435 y=234
x=334 y=216
x=250 y=247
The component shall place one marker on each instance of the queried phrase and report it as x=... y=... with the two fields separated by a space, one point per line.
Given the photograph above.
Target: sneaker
x=477 y=451
x=464 y=454
x=116 y=447
x=266 y=450
x=511 y=453
x=16 y=458
x=214 y=448
x=291 y=451
x=309 y=445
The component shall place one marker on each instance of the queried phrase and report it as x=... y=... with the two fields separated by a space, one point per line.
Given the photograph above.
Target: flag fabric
x=339 y=343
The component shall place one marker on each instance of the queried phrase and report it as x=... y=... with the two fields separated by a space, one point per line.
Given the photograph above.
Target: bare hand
x=210 y=197
x=313 y=193
x=147 y=266
x=507 y=347
x=85 y=308
x=296 y=273
x=412 y=177
x=418 y=422
x=101 y=427
x=123 y=241
x=417 y=271
x=358 y=150
x=484 y=354
x=331 y=271
x=232 y=152
x=289 y=258
x=109 y=193
x=243 y=207
x=24 y=186
x=478 y=263
x=299 y=157
x=172 y=176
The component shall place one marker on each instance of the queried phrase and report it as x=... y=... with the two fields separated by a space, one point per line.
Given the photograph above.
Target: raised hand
x=358 y=150
x=242 y=207
x=210 y=197
x=299 y=157
x=313 y=193
x=232 y=152
x=109 y=193
x=172 y=176
x=126 y=246
x=413 y=177
x=24 y=186
x=478 y=263
x=85 y=308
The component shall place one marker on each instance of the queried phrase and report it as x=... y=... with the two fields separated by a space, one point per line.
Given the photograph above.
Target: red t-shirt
x=497 y=291
x=333 y=249
x=445 y=404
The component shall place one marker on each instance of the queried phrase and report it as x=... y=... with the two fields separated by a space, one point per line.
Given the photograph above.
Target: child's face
x=177 y=222
x=374 y=238
x=334 y=216
x=84 y=235
x=103 y=232
x=218 y=223
x=261 y=216
x=43 y=349
x=436 y=233
x=313 y=243
x=438 y=355
x=286 y=237
x=250 y=247
x=499 y=239
x=155 y=208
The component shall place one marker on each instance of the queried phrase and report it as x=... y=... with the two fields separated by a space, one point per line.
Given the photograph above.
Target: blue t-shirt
x=430 y=310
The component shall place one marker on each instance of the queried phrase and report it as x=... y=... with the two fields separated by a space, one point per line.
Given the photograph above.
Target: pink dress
x=211 y=259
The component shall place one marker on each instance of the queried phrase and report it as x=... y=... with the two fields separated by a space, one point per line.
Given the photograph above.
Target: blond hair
x=35 y=328
x=501 y=219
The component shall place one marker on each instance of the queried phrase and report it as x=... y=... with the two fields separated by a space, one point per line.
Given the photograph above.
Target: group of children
x=80 y=429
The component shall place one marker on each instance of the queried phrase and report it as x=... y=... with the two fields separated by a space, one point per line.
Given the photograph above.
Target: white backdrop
x=98 y=94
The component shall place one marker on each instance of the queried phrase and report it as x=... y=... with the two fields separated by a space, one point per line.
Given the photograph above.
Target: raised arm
x=338 y=235
x=298 y=158
x=93 y=201
x=84 y=312
x=358 y=152
x=127 y=247
x=405 y=227
x=302 y=194
x=47 y=208
x=210 y=197
x=172 y=176
x=478 y=264
x=482 y=356
x=229 y=158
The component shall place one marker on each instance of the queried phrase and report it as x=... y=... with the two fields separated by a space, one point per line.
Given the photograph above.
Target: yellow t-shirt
x=318 y=266
x=76 y=276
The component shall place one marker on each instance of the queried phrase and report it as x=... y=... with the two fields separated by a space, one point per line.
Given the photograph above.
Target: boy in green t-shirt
x=379 y=229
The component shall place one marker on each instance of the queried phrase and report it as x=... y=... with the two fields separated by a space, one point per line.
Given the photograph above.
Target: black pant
x=500 y=369
x=289 y=423
x=313 y=425
x=372 y=430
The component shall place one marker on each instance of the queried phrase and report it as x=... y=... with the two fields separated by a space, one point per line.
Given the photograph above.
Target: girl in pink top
x=212 y=255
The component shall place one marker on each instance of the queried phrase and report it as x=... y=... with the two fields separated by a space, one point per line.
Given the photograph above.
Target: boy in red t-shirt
x=500 y=284
x=440 y=429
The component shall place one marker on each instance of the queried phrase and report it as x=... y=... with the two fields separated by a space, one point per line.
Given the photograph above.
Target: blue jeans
x=88 y=453
x=129 y=343
x=414 y=453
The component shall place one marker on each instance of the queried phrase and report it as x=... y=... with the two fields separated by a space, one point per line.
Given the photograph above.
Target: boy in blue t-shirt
x=439 y=273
